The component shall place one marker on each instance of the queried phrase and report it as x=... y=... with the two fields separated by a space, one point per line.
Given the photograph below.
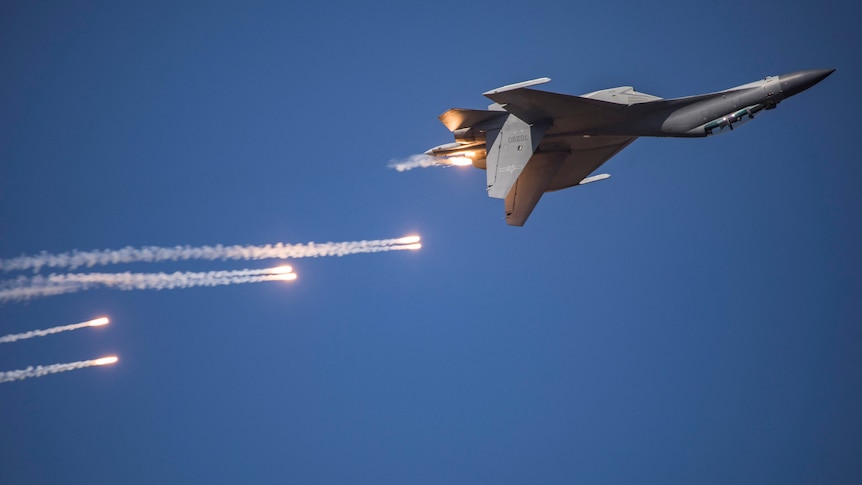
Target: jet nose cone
x=818 y=75
x=799 y=81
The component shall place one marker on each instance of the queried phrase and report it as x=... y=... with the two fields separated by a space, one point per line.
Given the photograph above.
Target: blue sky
x=696 y=318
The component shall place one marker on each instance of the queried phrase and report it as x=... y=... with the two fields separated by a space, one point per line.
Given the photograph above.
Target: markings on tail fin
x=509 y=150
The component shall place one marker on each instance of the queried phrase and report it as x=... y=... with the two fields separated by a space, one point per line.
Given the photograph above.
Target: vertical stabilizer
x=509 y=148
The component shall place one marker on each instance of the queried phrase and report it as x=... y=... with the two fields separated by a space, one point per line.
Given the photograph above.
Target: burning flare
x=408 y=240
x=24 y=288
x=99 y=322
x=155 y=254
x=44 y=370
x=106 y=360
x=48 y=331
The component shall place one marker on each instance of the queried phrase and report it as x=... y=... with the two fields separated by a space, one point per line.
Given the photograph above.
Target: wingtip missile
x=525 y=84
x=594 y=178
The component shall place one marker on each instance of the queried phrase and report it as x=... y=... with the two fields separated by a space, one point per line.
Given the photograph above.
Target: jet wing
x=533 y=106
x=530 y=185
x=586 y=155
x=549 y=171
x=563 y=161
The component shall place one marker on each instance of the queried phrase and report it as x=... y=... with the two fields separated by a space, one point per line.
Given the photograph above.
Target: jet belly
x=692 y=120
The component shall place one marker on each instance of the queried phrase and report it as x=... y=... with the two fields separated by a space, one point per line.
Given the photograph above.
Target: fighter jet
x=530 y=142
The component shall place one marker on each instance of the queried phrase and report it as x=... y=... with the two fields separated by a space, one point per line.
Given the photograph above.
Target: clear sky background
x=697 y=318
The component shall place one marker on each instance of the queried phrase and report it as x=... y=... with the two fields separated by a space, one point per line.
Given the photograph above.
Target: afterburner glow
x=459 y=161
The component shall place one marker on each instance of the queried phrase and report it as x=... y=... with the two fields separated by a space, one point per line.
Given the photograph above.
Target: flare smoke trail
x=152 y=254
x=48 y=331
x=44 y=370
x=24 y=288
x=416 y=161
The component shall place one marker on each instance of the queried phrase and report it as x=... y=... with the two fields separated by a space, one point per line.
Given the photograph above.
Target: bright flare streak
x=99 y=322
x=43 y=370
x=402 y=247
x=24 y=288
x=408 y=240
x=284 y=277
x=281 y=270
x=41 y=333
x=154 y=254
x=106 y=360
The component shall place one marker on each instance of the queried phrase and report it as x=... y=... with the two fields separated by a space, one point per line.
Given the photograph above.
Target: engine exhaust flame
x=459 y=161
x=415 y=161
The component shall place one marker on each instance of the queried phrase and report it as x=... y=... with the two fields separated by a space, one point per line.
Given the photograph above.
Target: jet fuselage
x=531 y=141
x=693 y=116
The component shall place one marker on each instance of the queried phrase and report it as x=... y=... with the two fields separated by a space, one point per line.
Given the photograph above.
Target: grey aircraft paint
x=531 y=142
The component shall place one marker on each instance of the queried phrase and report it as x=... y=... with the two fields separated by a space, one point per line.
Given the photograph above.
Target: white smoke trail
x=41 y=333
x=24 y=288
x=43 y=370
x=416 y=161
x=152 y=254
